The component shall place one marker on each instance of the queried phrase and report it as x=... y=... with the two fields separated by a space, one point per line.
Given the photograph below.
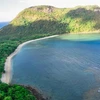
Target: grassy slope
x=35 y=22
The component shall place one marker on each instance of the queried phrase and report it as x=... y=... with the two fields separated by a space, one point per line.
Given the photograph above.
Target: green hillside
x=50 y=20
x=78 y=19
x=41 y=21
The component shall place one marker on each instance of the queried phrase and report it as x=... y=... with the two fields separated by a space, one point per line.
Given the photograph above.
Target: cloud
x=23 y=1
x=7 y=16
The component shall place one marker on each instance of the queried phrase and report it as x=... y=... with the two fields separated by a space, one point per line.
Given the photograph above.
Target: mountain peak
x=52 y=20
x=43 y=8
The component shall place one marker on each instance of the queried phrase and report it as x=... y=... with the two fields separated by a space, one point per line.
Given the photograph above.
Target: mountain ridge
x=42 y=19
x=69 y=20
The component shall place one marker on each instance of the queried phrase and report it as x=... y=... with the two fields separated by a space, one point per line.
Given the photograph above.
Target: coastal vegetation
x=15 y=92
x=37 y=22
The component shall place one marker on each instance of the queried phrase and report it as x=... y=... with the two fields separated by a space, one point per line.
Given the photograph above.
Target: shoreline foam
x=7 y=76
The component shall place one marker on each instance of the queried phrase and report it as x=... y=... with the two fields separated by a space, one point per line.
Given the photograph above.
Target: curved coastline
x=7 y=76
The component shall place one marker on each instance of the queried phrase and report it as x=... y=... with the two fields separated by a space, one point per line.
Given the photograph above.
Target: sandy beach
x=7 y=76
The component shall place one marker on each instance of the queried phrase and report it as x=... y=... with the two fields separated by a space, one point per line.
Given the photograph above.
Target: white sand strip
x=7 y=76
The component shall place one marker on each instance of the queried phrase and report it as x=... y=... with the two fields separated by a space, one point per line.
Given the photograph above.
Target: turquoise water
x=61 y=68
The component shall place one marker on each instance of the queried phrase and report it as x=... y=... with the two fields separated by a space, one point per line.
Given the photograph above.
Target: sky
x=10 y=8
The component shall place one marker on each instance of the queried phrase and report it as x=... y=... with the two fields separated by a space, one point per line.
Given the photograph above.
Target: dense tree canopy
x=14 y=92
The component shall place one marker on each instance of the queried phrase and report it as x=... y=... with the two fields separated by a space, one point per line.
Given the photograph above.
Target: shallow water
x=62 y=68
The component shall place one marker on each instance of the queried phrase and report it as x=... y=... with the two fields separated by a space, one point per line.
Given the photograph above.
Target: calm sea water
x=2 y=24
x=63 y=68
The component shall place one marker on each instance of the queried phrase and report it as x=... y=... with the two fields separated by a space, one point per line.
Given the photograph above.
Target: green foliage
x=14 y=92
x=51 y=20
x=6 y=48
x=78 y=19
x=8 y=98
x=82 y=20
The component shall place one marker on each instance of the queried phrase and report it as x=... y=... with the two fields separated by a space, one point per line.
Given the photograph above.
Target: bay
x=63 y=68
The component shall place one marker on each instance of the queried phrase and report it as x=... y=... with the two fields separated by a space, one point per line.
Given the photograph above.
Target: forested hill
x=51 y=20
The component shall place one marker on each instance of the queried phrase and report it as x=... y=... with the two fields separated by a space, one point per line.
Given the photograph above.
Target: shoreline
x=7 y=76
x=91 y=32
x=36 y=93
